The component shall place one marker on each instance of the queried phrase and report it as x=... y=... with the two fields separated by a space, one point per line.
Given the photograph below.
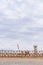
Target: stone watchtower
x=35 y=50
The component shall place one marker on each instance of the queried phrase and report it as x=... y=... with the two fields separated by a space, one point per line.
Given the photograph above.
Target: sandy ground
x=20 y=61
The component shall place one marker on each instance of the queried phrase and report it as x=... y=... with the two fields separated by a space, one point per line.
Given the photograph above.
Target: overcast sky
x=21 y=22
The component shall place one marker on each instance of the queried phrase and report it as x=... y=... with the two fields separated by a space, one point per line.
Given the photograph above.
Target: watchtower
x=35 y=49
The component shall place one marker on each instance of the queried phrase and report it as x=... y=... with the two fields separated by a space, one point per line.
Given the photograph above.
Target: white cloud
x=15 y=8
x=21 y=19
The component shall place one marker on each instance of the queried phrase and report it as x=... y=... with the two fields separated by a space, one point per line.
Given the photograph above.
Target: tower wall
x=35 y=49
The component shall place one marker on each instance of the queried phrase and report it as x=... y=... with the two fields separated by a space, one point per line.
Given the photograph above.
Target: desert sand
x=21 y=61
